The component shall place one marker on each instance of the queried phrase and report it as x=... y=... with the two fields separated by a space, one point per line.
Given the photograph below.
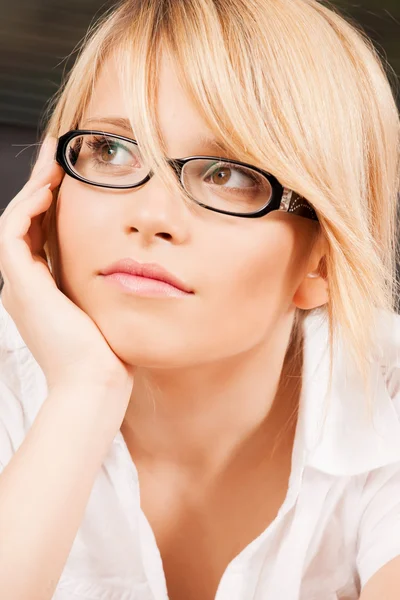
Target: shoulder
x=379 y=525
x=352 y=440
x=22 y=388
x=378 y=548
x=387 y=351
x=345 y=432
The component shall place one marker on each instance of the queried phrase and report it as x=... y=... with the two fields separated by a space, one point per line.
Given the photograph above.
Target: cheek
x=251 y=279
x=258 y=266
x=82 y=214
x=82 y=226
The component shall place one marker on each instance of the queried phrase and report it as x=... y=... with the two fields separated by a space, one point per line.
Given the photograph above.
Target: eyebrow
x=116 y=121
x=125 y=124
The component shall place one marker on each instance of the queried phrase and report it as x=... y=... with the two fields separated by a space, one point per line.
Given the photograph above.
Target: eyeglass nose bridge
x=177 y=165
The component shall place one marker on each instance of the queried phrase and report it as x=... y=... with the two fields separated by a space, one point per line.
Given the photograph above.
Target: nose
x=154 y=212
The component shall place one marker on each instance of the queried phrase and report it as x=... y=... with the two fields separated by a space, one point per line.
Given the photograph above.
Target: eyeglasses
x=219 y=184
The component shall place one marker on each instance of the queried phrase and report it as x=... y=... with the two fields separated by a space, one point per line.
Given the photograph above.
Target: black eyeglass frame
x=282 y=198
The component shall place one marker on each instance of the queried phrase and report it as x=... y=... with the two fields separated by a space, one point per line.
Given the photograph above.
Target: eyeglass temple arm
x=294 y=203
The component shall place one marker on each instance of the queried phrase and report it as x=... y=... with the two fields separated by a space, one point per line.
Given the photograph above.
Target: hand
x=65 y=341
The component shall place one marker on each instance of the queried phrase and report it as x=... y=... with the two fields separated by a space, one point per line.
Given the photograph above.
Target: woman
x=200 y=374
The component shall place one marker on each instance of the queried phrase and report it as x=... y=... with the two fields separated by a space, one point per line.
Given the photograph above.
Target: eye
x=111 y=152
x=108 y=152
x=238 y=177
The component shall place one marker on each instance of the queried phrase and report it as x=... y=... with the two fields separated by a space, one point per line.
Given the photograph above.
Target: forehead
x=178 y=120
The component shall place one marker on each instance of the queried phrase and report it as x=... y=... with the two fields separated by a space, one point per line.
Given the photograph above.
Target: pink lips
x=145 y=279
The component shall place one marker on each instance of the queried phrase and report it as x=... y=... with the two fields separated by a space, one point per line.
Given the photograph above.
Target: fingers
x=15 y=253
x=45 y=167
x=46 y=155
x=19 y=235
x=51 y=173
x=46 y=170
x=45 y=162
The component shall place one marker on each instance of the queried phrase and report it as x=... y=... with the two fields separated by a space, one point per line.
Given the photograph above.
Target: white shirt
x=339 y=523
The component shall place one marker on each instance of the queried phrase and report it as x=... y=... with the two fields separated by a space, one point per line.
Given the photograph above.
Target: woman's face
x=244 y=273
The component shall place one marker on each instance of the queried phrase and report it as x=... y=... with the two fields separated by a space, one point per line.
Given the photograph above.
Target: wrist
x=102 y=405
x=92 y=380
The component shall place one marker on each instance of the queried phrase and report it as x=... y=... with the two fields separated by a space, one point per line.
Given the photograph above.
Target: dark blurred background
x=38 y=39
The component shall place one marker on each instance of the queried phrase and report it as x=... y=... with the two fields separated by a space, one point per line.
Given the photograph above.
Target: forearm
x=45 y=488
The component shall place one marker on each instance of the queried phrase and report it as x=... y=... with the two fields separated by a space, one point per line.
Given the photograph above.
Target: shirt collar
x=341 y=433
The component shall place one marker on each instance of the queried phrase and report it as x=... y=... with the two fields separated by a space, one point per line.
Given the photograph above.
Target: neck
x=197 y=419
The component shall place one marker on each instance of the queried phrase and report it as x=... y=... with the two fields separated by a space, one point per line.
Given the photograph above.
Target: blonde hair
x=290 y=86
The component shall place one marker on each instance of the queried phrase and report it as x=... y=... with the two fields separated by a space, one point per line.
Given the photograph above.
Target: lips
x=147 y=270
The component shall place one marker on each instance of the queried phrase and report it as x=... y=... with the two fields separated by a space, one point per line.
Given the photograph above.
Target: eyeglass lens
x=107 y=160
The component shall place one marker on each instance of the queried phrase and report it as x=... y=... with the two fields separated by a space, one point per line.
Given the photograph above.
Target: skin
x=206 y=409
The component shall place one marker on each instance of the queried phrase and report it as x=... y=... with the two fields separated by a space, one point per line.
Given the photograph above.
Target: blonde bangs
x=316 y=111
